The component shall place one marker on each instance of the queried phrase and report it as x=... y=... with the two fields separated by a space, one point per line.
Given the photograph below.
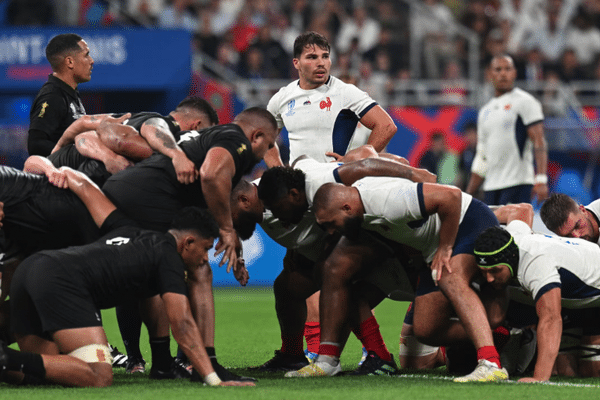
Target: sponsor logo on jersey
x=117 y=241
x=325 y=104
x=291 y=104
x=306 y=103
x=76 y=114
x=43 y=110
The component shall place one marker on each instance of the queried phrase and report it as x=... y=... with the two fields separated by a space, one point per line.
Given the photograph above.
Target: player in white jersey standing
x=320 y=113
x=510 y=134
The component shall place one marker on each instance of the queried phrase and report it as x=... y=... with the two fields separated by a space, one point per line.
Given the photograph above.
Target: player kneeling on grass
x=56 y=295
x=556 y=272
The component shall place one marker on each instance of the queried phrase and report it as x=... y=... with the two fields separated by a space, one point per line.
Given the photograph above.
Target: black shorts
x=45 y=299
x=68 y=156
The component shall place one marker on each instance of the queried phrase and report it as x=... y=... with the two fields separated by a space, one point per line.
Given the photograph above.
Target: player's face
x=289 y=209
x=579 y=225
x=339 y=220
x=313 y=67
x=195 y=252
x=263 y=140
x=503 y=74
x=497 y=276
x=82 y=63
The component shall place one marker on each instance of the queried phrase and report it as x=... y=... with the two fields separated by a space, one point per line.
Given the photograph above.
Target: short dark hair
x=556 y=210
x=201 y=105
x=198 y=220
x=59 y=47
x=310 y=39
x=278 y=181
x=257 y=112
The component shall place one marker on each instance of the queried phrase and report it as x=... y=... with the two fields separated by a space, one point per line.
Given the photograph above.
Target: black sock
x=130 y=325
x=161 y=353
x=211 y=352
x=181 y=355
x=28 y=363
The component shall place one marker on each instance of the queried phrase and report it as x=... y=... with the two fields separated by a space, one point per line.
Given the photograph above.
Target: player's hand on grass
x=185 y=169
x=236 y=383
x=530 y=380
x=441 y=261
x=227 y=244
x=116 y=164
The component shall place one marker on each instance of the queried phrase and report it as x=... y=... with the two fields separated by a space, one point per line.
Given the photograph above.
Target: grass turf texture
x=247 y=334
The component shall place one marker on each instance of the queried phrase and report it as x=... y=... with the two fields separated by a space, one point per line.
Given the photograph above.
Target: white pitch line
x=449 y=378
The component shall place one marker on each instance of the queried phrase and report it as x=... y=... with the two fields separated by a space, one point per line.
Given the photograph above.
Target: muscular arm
x=186 y=332
x=353 y=171
x=159 y=137
x=42 y=166
x=83 y=124
x=382 y=127
x=523 y=212
x=446 y=202
x=549 y=331
x=96 y=202
x=216 y=174
x=535 y=132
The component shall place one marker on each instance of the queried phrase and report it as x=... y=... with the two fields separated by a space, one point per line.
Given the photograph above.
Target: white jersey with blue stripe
x=502 y=140
x=548 y=261
x=395 y=208
x=322 y=119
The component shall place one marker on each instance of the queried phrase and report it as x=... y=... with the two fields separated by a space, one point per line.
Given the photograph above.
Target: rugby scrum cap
x=495 y=246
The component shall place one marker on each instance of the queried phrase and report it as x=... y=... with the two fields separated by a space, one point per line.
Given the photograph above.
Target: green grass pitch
x=247 y=334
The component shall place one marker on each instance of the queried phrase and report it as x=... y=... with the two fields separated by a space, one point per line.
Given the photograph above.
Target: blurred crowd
x=555 y=41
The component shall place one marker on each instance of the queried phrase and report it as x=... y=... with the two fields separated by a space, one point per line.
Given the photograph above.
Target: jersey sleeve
x=317 y=174
x=274 y=106
x=357 y=101
x=47 y=113
x=240 y=151
x=479 y=165
x=530 y=111
x=539 y=275
x=171 y=272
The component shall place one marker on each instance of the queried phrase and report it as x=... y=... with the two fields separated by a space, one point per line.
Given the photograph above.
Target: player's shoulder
x=522 y=95
x=285 y=91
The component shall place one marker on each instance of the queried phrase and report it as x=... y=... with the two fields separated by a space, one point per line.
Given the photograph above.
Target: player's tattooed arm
x=84 y=124
x=159 y=137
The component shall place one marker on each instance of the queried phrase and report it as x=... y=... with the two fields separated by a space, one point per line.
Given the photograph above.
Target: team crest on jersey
x=117 y=241
x=507 y=107
x=325 y=104
x=43 y=111
x=291 y=104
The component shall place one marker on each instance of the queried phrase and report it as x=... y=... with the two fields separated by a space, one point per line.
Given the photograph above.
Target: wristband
x=541 y=179
x=212 y=379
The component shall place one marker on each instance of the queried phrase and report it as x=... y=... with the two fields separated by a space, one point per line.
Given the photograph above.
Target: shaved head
x=338 y=208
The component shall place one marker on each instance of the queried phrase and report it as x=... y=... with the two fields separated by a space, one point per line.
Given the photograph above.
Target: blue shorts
x=510 y=195
x=477 y=219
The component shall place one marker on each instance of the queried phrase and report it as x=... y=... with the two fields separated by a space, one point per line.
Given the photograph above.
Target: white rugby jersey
x=547 y=262
x=317 y=174
x=502 y=139
x=322 y=119
x=394 y=208
x=594 y=208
